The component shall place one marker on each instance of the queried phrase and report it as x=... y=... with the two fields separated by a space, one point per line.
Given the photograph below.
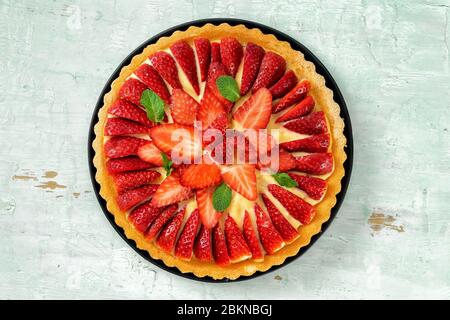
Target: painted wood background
x=391 y=238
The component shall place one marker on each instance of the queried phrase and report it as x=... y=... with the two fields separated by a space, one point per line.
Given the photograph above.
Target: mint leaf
x=167 y=163
x=221 y=197
x=228 y=88
x=153 y=104
x=285 y=180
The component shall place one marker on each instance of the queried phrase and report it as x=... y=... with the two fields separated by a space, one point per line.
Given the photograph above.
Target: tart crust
x=322 y=95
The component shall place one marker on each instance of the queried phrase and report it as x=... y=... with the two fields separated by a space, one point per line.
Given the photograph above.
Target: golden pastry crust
x=322 y=95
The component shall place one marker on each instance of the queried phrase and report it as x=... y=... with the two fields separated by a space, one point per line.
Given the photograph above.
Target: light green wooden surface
x=391 y=238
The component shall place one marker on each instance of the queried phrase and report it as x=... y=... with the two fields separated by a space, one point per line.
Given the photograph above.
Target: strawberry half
x=210 y=108
x=118 y=147
x=208 y=214
x=295 y=95
x=160 y=222
x=315 y=143
x=130 y=180
x=168 y=236
x=314 y=123
x=125 y=109
x=166 y=67
x=269 y=236
x=119 y=126
x=296 y=206
x=215 y=52
x=185 y=243
x=126 y=164
x=171 y=191
x=148 y=75
x=255 y=112
x=237 y=247
x=143 y=215
x=150 y=153
x=202 y=245
x=203 y=50
x=133 y=197
x=286 y=230
x=252 y=61
x=200 y=176
x=132 y=90
x=231 y=53
x=314 y=187
x=220 y=251
x=301 y=109
x=212 y=132
x=271 y=70
x=252 y=239
x=242 y=179
x=216 y=70
x=185 y=57
x=286 y=162
x=284 y=85
x=316 y=163
x=183 y=107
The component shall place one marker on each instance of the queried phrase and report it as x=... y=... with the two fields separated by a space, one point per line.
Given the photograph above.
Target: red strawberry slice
x=202 y=245
x=301 y=109
x=269 y=236
x=316 y=163
x=212 y=132
x=252 y=61
x=183 y=107
x=231 y=53
x=166 y=67
x=295 y=95
x=119 y=126
x=133 y=197
x=314 y=123
x=286 y=230
x=160 y=222
x=185 y=243
x=117 y=147
x=148 y=75
x=252 y=239
x=168 y=236
x=208 y=214
x=210 y=108
x=313 y=187
x=217 y=70
x=130 y=180
x=296 y=206
x=132 y=90
x=286 y=162
x=271 y=70
x=185 y=57
x=237 y=247
x=126 y=164
x=315 y=143
x=124 y=109
x=203 y=50
x=284 y=85
x=220 y=251
x=171 y=191
x=215 y=52
x=150 y=153
x=242 y=179
x=255 y=112
x=143 y=215
x=200 y=176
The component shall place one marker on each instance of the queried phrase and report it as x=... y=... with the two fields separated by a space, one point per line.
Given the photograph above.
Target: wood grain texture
x=391 y=238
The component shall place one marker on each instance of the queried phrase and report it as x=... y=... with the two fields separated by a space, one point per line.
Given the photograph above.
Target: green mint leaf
x=221 y=197
x=285 y=180
x=153 y=104
x=167 y=163
x=228 y=88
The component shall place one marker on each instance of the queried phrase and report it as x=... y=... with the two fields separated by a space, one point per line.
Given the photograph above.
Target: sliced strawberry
x=231 y=53
x=160 y=222
x=168 y=236
x=143 y=215
x=185 y=243
x=286 y=162
x=150 y=153
x=269 y=236
x=316 y=163
x=118 y=147
x=296 y=206
x=252 y=239
x=284 y=85
x=202 y=245
x=148 y=75
x=125 y=109
x=119 y=126
x=208 y=214
x=171 y=191
x=313 y=187
x=286 y=230
x=217 y=127
x=133 y=197
x=216 y=70
x=237 y=247
x=220 y=251
x=132 y=90
x=183 y=107
x=203 y=50
x=126 y=164
x=255 y=112
x=130 y=180
x=295 y=95
x=301 y=109
x=200 y=176
x=210 y=108
x=271 y=70
x=166 y=67
x=252 y=61
x=314 y=123
x=242 y=179
x=185 y=57
x=215 y=52
x=315 y=143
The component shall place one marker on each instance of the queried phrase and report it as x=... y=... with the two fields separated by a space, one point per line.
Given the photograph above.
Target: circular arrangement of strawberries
x=154 y=190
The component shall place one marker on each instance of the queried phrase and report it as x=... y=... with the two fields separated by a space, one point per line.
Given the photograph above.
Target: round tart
x=220 y=151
